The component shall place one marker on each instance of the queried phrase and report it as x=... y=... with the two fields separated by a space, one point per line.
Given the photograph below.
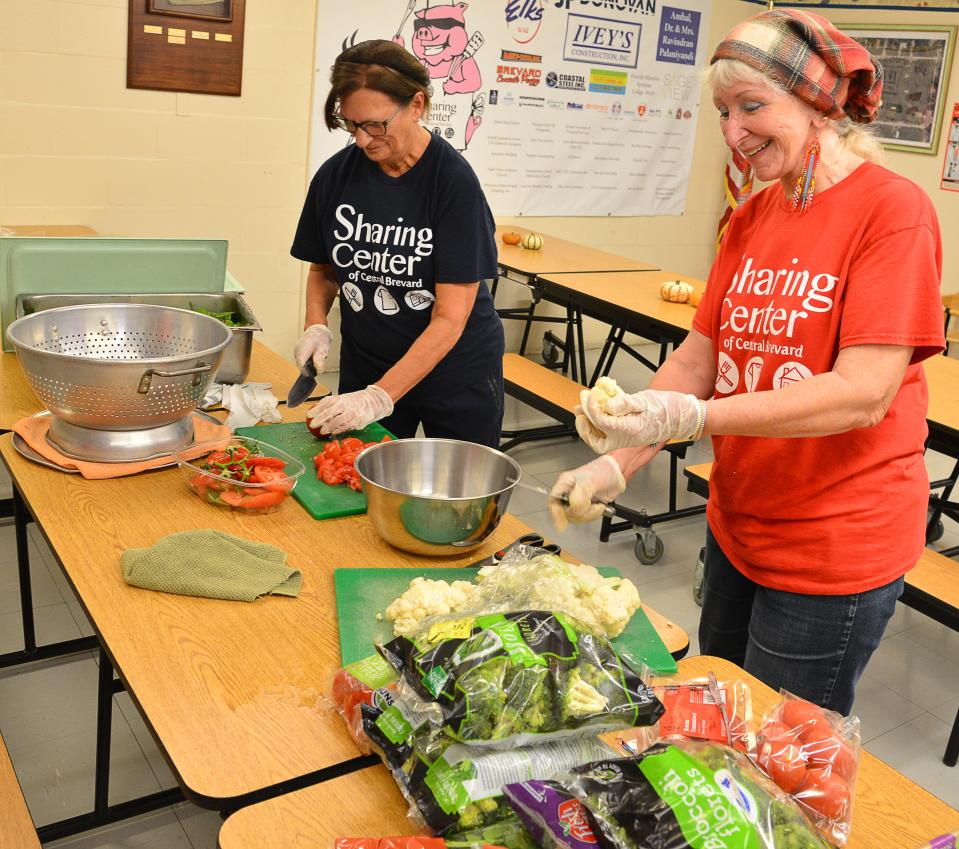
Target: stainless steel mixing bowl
x=436 y=496
x=119 y=367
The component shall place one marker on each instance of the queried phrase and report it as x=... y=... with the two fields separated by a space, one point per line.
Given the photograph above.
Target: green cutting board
x=361 y=593
x=319 y=499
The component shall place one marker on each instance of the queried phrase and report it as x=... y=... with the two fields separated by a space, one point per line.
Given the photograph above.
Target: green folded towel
x=211 y=564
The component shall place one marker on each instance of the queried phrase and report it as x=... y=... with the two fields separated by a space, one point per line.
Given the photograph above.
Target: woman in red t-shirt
x=803 y=367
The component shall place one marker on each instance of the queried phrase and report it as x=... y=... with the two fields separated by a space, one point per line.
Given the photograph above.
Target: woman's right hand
x=581 y=495
x=314 y=345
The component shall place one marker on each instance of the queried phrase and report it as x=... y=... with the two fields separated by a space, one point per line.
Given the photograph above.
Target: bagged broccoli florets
x=512 y=678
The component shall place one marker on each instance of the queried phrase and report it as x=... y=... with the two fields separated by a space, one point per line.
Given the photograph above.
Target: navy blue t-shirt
x=391 y=240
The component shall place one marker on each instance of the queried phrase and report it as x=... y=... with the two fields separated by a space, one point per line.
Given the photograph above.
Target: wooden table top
x=233 y=691
x=47 y=230
x=942 y=374
x=558 y=256
x=630 y=294
x=17 y=831
x=17 y=398
x=889 y=810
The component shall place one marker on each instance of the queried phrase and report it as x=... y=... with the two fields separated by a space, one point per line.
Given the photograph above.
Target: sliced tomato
x=232 y=497
x=275 y=479
x=198 y=482
x=238 y=453
x=266 y=462
x=351 y=443
x=267 y=498
x=218 y=457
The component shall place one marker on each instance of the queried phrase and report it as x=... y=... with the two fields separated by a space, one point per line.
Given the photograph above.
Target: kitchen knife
x=609 y=510
x=302 y=386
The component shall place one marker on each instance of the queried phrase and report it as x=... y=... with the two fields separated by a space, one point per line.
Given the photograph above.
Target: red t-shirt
x=843 y=513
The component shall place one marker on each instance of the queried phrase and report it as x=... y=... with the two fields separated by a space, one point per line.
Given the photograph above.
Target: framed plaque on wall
x=195 y=46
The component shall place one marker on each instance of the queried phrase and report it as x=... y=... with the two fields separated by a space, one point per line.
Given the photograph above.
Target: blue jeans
x=814 y=646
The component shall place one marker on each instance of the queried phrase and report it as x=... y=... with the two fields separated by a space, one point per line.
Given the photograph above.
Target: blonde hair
x=856 y=138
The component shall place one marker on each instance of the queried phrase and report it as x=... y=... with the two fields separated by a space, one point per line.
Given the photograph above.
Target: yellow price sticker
x=453 y=629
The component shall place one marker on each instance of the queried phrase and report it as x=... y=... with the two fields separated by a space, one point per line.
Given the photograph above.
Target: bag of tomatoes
x=361 y=692
x=813 y=755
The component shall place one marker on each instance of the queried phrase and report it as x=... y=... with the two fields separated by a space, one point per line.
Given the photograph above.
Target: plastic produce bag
x=512 y=679
x=405 y=843
x=691 y=712
x=456 y=790
x=680 y=795
x=813 y=754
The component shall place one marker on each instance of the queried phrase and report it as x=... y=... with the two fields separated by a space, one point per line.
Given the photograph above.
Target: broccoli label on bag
x=713 y=810
x=394 y=725
x=448 y=784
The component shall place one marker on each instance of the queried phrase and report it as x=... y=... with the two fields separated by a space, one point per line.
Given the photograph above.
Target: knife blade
x=302 y=386
x=609 y=509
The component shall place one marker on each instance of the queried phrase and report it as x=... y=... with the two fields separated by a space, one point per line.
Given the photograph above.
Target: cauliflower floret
x=604 y=389
x=424 y=599
x=603 y=605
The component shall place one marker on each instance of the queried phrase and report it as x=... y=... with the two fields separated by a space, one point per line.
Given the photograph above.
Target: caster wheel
x=649 y=550
x=935 y=534
x=550 y=353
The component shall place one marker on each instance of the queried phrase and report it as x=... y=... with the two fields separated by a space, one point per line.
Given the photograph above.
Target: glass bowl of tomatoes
x=240 y=473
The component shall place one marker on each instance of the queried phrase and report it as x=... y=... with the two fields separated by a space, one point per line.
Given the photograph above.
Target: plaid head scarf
x=811 y=58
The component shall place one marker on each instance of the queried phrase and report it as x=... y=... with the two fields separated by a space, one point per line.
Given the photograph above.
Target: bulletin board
x=173 y=46
x=562 y=107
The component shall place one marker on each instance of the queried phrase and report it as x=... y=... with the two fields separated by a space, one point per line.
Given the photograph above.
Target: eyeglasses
x=371 y=128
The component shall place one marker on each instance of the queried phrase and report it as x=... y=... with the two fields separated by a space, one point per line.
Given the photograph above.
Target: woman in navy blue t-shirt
x=398 y=226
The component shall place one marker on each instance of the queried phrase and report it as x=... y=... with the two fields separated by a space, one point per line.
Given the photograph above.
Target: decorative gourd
x=511 y=238
x=675 y=291
x=695 y=297
x=532 y=241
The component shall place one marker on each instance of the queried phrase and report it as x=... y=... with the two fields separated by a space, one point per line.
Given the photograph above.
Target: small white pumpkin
x=676 y=291
x=532 y=241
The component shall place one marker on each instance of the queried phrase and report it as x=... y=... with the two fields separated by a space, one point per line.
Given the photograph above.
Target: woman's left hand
x=631 y=421
x=352 y=411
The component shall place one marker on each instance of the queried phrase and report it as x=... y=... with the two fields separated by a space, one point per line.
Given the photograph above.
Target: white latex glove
x=314 y=345
x=352 y=411
x=631 y=421
x=586 y=490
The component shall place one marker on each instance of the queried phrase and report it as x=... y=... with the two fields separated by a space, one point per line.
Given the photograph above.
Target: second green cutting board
x=320 y=500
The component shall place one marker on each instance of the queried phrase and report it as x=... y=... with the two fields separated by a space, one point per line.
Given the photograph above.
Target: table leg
x=952 y=747
x=31 y=651
x=101 y=783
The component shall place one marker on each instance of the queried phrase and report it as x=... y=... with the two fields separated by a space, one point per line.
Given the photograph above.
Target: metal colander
x=119 y=366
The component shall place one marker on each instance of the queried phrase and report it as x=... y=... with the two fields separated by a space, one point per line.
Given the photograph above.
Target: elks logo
x=523 y=19
x=572 y=817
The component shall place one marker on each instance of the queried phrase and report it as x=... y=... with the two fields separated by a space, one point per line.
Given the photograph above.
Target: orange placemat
x=33 y=431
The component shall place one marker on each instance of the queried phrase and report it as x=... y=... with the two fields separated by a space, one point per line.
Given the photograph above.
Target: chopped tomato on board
x=335 y=464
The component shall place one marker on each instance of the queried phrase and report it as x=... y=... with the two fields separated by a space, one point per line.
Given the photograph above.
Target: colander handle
x=150 y=373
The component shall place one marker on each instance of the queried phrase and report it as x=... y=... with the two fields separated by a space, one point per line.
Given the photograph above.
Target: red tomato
x=797 y=713
x=787 y=767
x=198 y=483
x=827 y=750
x=351 y=443
x=817 y=728
x=827 y=794
x=776 y=731
x=218 y=457
x=232 y=497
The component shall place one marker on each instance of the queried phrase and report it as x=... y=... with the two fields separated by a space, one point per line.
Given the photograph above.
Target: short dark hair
x=379 y=65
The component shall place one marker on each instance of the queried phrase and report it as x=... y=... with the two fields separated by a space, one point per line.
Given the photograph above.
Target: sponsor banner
x=562 y=107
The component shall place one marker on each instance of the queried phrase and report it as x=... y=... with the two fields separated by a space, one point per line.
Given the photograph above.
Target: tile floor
x=907 y=699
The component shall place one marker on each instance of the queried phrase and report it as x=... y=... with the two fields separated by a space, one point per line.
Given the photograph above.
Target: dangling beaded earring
x=806 y=184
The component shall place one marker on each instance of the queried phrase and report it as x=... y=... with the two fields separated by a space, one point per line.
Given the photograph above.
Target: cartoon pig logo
x=440 y=42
